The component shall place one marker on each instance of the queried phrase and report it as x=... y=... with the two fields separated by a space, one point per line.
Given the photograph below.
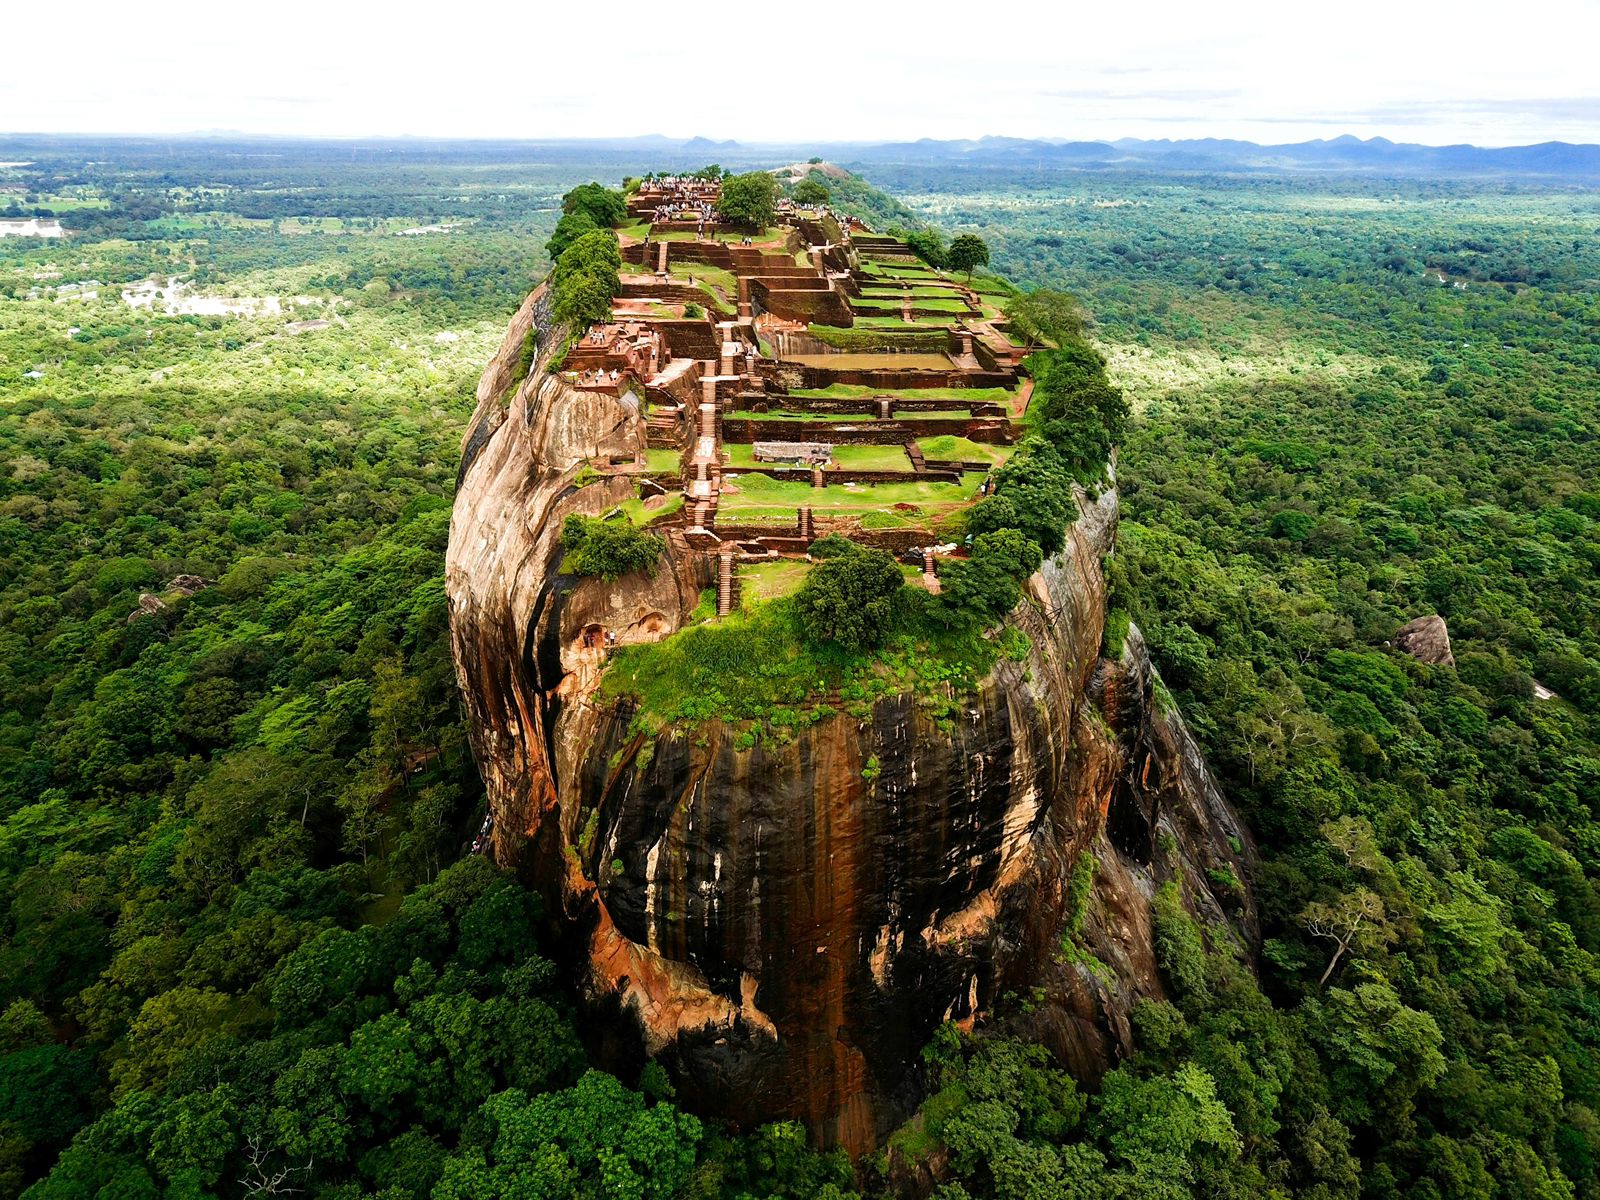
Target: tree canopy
x=749 y=199
x=967 y=252
x=851 y=597
x=586 y=279
x=609 y=549
x=586 y=208
x=811 y=191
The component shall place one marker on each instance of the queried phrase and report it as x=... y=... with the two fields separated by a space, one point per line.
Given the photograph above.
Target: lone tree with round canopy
x=749 y=200
x=852 y=598
x=967 y=252
x=810 y=192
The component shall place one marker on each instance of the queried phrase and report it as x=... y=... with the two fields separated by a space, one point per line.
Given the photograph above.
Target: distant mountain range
x=1374 y=155
x=1377 y=155
x=1558 y=161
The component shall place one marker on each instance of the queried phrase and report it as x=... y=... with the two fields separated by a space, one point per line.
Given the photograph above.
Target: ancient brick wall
x=822 y=307
x=690 y=339
x=866 y=433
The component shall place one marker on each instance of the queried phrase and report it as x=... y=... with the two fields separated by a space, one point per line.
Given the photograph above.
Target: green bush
x=988 y=584
x=584 y=209
x=586 y=279
x=810 y=191
x=749 y=199
x=851 y=598
x=928 y=245
x=606 y=208
x=609 y=549
x=569 y=229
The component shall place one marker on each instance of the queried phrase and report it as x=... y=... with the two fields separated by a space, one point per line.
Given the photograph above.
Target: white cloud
x=1432 y=72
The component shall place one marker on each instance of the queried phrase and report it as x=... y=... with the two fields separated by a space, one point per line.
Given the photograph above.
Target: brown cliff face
x=785 y=926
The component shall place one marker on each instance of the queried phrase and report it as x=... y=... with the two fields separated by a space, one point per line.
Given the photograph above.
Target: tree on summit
x=584 y=209
x=851 y=598
x=600 y=204
x=586 y=278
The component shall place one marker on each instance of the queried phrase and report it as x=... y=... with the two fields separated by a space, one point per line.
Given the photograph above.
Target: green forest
x=246 y=950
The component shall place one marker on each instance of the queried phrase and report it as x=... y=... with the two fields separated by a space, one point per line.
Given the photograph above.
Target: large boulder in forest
x=1426 y=639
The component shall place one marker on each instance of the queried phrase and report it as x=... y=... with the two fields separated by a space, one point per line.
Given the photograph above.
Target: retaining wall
x=867 y=433
x=866 y=406
x=792 y=375
x=690 y=338
x=824 y=306
x=835 y=475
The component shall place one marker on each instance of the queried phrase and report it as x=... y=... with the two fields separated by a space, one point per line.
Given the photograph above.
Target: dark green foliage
x=1180 y=950
x=569 y=229
x=852 y=598
x=928 y=245
x=1014 y=1126
x=586 y=208
x=748 y=200
x=606 y=208
x=1032 y=493
x=983 y=588
x=967 y=253
x=1075 y=408
x=1046 y=315
x=594 y=1139
x=609 y=549
x=831 y=545
x=585 y=279
x=811 y=191
x=773 y=1162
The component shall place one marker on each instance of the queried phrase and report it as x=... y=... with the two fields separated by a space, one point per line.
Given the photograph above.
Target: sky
x=1466 y=71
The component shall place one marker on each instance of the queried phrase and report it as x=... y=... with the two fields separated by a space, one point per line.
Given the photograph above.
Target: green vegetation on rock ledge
x=585 y=279
x=760 y=665
x=609 y=549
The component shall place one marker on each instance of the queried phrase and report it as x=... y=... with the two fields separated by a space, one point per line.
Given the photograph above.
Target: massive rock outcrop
x=785 y=926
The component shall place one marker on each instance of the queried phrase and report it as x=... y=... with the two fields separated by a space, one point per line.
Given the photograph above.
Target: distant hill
x=1549 y=161
x=1346 y=153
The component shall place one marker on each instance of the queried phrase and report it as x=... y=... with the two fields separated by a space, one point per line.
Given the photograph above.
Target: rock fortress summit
x=778 y=599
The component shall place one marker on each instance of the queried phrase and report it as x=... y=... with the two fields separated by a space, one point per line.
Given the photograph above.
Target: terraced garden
x=856 y=391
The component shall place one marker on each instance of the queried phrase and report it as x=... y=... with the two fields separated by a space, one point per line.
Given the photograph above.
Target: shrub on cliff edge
x=586 y=279
x=609 y=549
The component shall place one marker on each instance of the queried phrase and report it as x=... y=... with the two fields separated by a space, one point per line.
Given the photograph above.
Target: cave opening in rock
x=1127 y=826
